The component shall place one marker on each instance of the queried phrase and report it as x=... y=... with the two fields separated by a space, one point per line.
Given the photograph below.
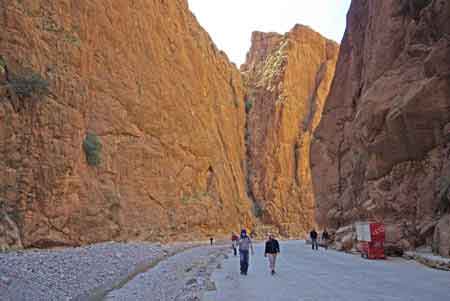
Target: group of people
x=244 y=244
x=314 y=239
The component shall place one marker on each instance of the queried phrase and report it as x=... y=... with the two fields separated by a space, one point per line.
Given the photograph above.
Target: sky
x=231 y=22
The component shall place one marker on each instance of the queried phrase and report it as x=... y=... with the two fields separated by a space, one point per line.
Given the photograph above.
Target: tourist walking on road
x=272 y=250
x=234 y=242
x=325 y=238
x=313 y=236
x=245 y=245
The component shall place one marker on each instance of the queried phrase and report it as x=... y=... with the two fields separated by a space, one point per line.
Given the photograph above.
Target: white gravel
x=75 y=273
x=183 y=277
x=306 y=275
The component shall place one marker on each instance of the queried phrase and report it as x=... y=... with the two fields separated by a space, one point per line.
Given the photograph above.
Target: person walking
x=271 y=251
x=313 y=235
x=325 y=238
x=234 y=241
x=245 y=245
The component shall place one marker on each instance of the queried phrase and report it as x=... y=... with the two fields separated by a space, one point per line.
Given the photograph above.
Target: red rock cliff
x=288 y=78
x=382 y=148
x=147 y=84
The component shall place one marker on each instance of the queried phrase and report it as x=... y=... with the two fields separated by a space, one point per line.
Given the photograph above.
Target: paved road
x=322 y=275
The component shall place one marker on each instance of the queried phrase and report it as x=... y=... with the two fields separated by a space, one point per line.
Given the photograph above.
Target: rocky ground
x=183 y=277
x=76 y=273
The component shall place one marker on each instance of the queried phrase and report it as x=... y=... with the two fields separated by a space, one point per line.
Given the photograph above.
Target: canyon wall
x=118 y=120
x=381 y=151
x=288 y=78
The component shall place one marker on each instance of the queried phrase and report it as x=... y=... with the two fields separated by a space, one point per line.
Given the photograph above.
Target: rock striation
x=287 y=78
x=118 y=120
x=381 y=151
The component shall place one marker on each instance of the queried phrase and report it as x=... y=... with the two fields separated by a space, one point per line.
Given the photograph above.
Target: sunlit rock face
x=140 y=137
x=381 y=151
x=288 y=78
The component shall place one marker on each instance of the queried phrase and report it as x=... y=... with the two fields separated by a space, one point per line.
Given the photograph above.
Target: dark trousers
x=315 y=245
x=234 y=251
x=244 y=256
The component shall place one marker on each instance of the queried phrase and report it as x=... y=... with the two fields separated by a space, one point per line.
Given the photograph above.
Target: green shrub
x=196 y=197
x=32 y=84
x=248 y=106
x=72 y=39
x=92 y=147
x=258 y=210
x=2 y=66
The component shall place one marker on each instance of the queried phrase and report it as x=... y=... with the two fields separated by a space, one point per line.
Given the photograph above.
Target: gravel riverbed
x=183 y=277
x=76 y=273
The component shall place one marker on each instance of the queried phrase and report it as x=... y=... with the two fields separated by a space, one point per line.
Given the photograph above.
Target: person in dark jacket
x=325 y=238
x=313 y=235
x=272 y=250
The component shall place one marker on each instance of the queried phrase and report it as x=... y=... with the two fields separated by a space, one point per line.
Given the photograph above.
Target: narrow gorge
x=122 y=120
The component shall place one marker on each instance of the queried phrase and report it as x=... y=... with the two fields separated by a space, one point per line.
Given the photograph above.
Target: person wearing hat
x=271 y=251
x=245 y=245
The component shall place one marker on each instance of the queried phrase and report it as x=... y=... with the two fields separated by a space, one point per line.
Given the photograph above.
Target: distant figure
x=313 y=236
x=272 y=250
x=234 y=243
x=245 y=245
x=211 y=240
x=325 y=238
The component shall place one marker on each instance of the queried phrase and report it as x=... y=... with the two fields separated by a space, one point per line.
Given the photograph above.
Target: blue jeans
x=244 y=256
x=315 y=245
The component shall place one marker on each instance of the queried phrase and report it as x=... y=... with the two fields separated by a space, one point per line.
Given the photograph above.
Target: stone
x=383 y=135
x=10 y=238
x=441 y=238
x=191 y=282
x=287 y=78
x=210 y=285
x=5 y=280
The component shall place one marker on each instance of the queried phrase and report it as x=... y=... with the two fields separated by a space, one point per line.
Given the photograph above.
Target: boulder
x=441 y=239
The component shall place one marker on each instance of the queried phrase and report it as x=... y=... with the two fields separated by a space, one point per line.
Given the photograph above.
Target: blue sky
x=231 y=22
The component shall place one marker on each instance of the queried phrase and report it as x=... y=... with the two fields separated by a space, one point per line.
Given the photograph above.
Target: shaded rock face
x=441 y=239
x=166 y=107
x=382 y=148
x=288 y=78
